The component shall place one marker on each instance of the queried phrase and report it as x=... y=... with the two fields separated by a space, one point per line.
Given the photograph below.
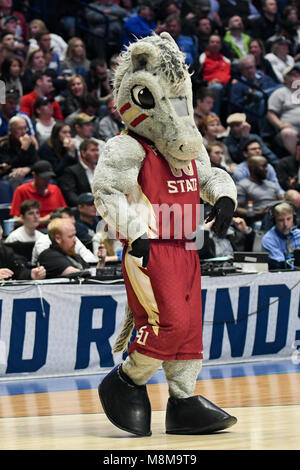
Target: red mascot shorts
x=165 y=299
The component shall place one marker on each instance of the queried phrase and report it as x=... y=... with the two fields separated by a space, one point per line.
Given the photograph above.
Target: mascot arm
x=115 y=180
x=214 y=182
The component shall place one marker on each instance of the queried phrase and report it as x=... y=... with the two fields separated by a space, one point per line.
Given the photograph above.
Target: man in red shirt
x=43 y=86
x=216 y=68
x=40 y=189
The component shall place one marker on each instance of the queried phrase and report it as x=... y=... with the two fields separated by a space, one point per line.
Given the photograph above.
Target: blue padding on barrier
x=60 y=384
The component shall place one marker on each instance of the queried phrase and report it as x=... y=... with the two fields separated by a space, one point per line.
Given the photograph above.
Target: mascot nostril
x=150 y=169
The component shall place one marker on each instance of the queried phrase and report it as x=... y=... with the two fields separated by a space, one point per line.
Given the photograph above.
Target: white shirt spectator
x=20 y=235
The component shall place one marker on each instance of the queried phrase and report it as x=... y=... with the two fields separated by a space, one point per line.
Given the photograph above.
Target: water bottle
x=250 y=210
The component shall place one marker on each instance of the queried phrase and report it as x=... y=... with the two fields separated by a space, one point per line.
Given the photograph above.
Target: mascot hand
x=223 y=212
x=141 y=249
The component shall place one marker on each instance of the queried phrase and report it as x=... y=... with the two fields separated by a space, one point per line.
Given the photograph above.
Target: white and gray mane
x=167 y=60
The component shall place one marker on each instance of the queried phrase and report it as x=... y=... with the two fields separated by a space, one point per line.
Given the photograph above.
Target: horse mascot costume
x=147 y=186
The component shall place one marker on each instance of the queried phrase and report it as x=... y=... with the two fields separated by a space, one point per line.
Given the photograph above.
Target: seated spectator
x=210 y=129
x=48 y=195
x=60 y=258
x=83 y=128
x=44 y=241
x=202 y=34
x=35 y=62
x=77 y=179
x=290 y=27
x=216 y=69
x=184 y=42
x=17 y=151
x=12 y=25
x=141 y=25
x=279 y=57
x=236 y=39
x=205 y=99
x=288 y=171
x=8 y=47
x=89 y=104
x=58 y=44
x=256 y=188
x=59 y=150
x=113 y=63
x=215 y=153
x=7 y=9
x=239 y=133
x=283 y=110
x=23 y=238
x=76 y=62
x=112 y=124
x=43 y=40
x=98 y=80
x=76 y=90
x=9 y=109
x=13 y=267
x=257 y=49
x=283 y=238
x=30 y=219
x=11 y=74
x=44 y=120
x=87 y=220
x=42 y=86
x=267 y=24
x=251 y=91
x=293 y=196
x=253 y=148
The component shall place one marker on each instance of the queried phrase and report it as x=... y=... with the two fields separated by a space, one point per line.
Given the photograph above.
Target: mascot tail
x=125 y=334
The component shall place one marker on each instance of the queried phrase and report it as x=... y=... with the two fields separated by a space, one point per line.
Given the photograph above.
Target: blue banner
x=66 y=329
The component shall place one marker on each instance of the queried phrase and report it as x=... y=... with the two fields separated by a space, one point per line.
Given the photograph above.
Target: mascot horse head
x=153 y=94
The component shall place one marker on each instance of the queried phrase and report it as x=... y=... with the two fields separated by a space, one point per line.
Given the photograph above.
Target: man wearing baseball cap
x=48 y=195
x=86 y=222
x=239 y=133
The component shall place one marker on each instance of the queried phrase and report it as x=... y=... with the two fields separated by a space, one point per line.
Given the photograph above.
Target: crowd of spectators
x=57 y=66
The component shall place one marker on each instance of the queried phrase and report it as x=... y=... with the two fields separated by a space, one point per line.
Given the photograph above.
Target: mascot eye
x=142 y=97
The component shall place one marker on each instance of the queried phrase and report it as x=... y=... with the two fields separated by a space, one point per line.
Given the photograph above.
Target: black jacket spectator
x=8 y=259
x=56 y=261
x=11 y=153
x=73 y=182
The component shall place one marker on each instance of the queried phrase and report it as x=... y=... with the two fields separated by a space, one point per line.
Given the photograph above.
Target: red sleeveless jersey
x=173 y=194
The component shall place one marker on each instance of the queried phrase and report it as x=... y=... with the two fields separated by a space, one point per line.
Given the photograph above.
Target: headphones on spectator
x=272 y=211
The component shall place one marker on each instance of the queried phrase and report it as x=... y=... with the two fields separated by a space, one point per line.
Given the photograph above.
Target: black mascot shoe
x=195 y=415
x=125 y=404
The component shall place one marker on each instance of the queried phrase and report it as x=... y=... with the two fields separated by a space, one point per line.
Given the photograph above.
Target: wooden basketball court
x=65 y=413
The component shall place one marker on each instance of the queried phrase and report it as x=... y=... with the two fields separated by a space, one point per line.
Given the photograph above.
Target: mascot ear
x=143 y=55
x=168 y=37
